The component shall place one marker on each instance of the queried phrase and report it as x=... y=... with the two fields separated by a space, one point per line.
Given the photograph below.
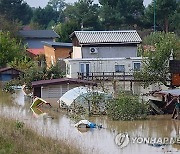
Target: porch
x=124 y=76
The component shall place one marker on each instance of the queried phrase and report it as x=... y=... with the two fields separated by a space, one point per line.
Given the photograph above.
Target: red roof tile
x=36 y=51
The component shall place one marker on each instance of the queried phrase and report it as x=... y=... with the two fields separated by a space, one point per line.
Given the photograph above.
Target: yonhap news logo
x=123 y=139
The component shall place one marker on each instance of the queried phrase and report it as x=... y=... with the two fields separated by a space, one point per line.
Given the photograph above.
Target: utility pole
x=154 y=15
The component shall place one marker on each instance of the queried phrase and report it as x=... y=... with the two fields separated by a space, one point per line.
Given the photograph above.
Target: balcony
x=124 y=76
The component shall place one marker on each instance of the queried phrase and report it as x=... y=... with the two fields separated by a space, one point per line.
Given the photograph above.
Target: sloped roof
x=9 y=68
x=58 y=44
x=38 y=34
x=103 y=37
x=36 y=51
x=61 y=81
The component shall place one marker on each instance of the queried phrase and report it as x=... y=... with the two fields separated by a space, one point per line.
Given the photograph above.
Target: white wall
x=76 y=52
x=101 y=65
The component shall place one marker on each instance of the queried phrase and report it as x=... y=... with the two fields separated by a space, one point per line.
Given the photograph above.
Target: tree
x=9 y=49
x=43 y=16
x=9 y=26
x=121 y=13
x=65 y=29
x=57 y=5
x=16 y=10
x=85 y=13
x=156 y=65
x=164 y=10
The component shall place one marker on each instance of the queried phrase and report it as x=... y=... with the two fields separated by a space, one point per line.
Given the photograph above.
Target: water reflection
x=99 y=141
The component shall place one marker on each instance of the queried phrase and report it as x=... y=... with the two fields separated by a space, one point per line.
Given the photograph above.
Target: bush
x=127 y=107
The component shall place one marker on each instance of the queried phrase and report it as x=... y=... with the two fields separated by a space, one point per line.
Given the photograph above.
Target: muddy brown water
x=98 y=141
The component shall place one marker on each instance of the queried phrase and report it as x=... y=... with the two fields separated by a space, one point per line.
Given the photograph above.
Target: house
x=175 y=72
x=55 y=88
x=34 y=38
x=105 y=44
x=7 y=74
x=55 y=51
x=35 y=52
x=106 y=68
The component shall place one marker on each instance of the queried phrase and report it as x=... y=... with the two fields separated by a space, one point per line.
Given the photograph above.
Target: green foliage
x=57 y=5
x=19 y=125
x=164 y=11
x=16 y=10
x=87 y=20
x=43 y=16
x=127 y=107
x=156 y=66
x=121 y=14
x=22 y=64
x=65 y=29
x=10 y=49
x=9 y=26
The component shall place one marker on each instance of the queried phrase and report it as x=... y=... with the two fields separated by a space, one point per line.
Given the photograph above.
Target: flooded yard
x=57 y=125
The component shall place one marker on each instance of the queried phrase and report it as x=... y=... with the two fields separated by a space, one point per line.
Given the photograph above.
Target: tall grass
x=16 y=138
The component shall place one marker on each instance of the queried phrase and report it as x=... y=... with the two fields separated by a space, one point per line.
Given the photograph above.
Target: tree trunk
x=166 y=26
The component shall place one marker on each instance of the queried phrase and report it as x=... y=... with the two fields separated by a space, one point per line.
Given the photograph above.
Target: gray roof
x=104 y=37
x=58 y=44
x=61 y=81
x=38 y=34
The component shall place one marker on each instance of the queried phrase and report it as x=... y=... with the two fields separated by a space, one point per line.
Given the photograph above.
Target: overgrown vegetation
x=34 y=73
x=156 y=65
x=127 y=107
x=16 y=138
x=10 y=49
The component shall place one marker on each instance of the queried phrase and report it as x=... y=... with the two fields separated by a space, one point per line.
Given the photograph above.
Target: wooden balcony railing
x=106 y=76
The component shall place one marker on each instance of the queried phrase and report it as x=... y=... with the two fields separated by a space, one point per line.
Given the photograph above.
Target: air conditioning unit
x=93 y=50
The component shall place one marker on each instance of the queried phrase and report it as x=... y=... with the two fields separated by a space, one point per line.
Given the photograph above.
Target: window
x=85 y=68
x=67 y=69
x=137 y=66
x=119 y=68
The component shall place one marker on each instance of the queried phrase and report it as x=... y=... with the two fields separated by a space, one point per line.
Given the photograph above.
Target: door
x=85 y=68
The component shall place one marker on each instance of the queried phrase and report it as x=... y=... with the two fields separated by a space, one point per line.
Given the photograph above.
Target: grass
x=5 y=98
x=16 y=138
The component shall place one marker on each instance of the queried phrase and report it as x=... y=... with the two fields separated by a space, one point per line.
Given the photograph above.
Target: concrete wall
x=109 y=52
x=100 y=65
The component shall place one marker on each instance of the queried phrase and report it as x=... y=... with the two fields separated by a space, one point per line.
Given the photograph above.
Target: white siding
x=101 y=65
x=110 y=52
x=77 y=52
x=56 y=91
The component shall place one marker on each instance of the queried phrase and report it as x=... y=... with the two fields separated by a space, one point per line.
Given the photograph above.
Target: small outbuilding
x=55 y=88
x=8 y=73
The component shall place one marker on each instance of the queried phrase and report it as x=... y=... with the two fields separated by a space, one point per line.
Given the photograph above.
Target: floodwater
x=96 y=141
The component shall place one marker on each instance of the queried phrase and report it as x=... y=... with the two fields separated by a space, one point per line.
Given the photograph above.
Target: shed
x=55 y=51
x=8 y=73
x=174 y=67
x=55 y=88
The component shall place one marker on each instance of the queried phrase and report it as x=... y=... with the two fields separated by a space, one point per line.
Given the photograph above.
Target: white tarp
x=82 y=122
x=174 y=92
x=69 y=97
